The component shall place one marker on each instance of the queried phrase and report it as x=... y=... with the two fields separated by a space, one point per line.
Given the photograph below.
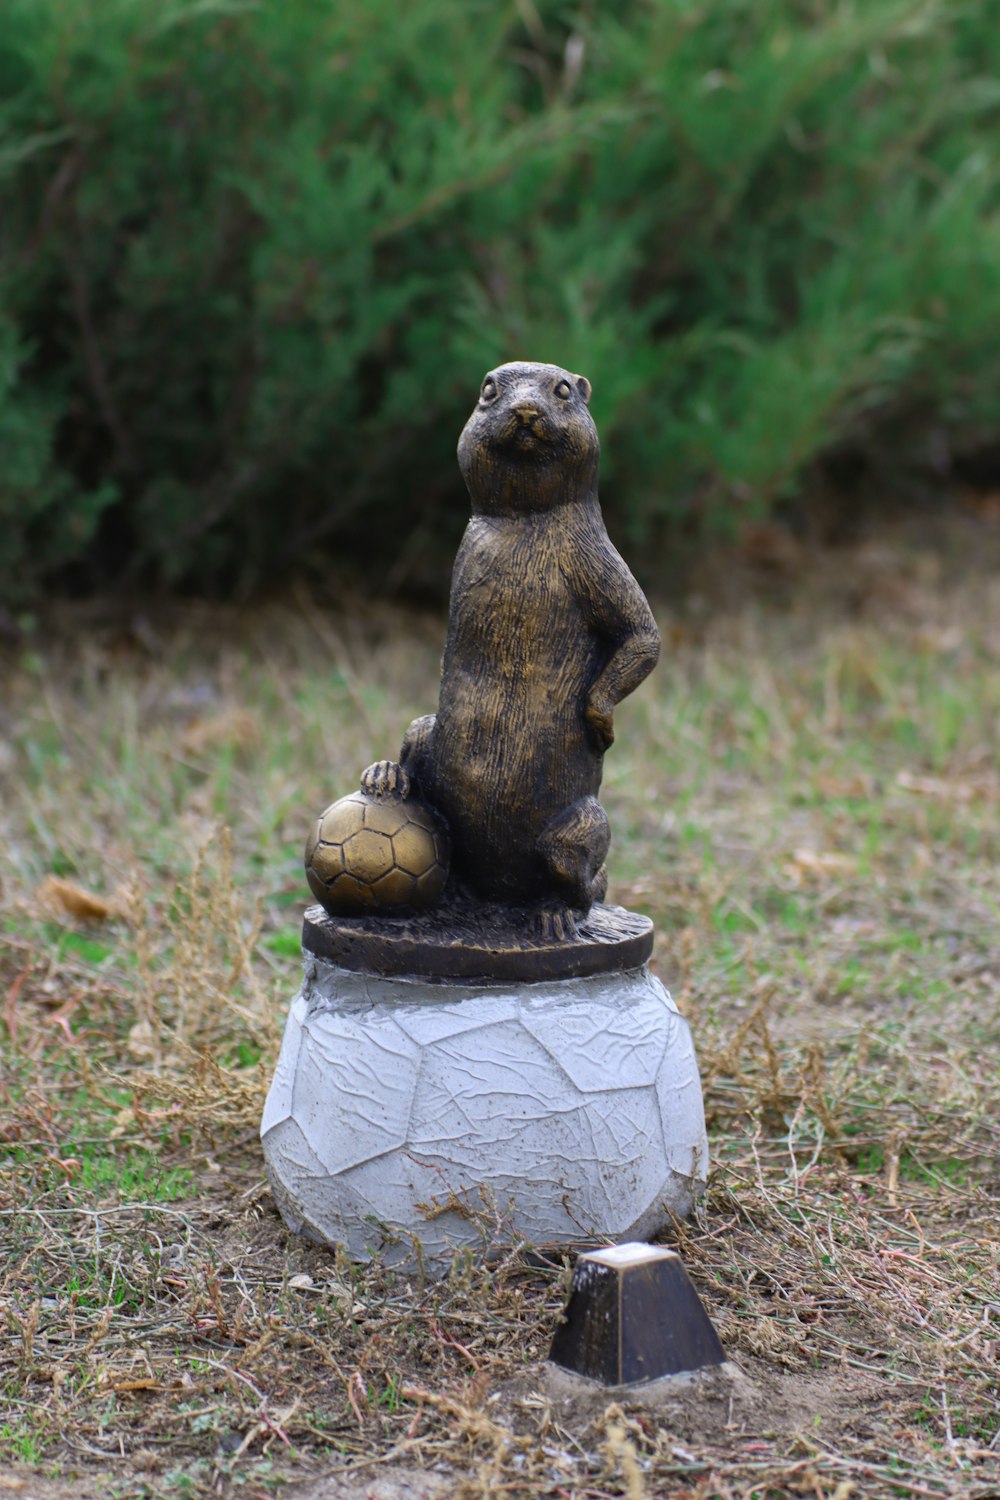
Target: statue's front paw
x=601 y=722
x=386 y=779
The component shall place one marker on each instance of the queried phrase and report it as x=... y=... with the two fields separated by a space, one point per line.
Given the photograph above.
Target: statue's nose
x=526 y=410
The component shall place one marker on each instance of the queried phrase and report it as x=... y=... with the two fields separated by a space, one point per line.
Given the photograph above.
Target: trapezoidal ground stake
x=634 y=1315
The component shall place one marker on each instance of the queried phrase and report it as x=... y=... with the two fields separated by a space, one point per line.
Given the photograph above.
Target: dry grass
x=805 y=797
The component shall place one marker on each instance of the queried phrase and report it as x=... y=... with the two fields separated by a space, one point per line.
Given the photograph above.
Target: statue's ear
x=583 y=386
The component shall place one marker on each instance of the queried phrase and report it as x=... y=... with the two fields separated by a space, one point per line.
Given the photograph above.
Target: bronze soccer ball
x=377 y=854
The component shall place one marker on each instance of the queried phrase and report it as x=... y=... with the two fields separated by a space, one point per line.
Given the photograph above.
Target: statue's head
x=531 y=442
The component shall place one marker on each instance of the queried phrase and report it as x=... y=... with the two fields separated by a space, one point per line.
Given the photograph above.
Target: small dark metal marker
x=633 y=1315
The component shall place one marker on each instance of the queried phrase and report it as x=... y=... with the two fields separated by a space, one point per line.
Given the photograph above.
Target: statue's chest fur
x=511 y=745
x=516 y=627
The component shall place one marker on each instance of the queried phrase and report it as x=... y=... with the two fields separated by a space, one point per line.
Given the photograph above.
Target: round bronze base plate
x=490 y=944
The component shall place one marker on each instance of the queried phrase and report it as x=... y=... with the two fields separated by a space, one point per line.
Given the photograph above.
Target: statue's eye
x=564 y=390
x=490 y=389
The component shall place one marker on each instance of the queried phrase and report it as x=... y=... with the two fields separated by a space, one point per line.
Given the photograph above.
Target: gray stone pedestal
x=412 y=1120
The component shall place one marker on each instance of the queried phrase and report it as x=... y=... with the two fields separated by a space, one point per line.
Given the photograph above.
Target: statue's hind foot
x=574 y=845
x=553 y=923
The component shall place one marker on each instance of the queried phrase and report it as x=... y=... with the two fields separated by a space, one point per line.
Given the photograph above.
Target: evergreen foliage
x=255 y=258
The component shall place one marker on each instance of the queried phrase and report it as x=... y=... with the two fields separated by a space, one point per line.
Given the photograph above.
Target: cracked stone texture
x=556 y=1112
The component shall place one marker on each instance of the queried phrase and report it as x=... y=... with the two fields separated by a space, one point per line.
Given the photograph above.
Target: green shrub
x=255 y=257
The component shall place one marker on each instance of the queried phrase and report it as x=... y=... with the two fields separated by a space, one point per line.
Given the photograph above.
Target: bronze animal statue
x=547 y=632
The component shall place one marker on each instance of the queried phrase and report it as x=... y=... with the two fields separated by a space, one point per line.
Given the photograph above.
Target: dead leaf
x=933 y=786
x=821 y=866
x=67 y=899
x=140 y=1040
x=124 y=1120
x=844 y=786
x=239 y=727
